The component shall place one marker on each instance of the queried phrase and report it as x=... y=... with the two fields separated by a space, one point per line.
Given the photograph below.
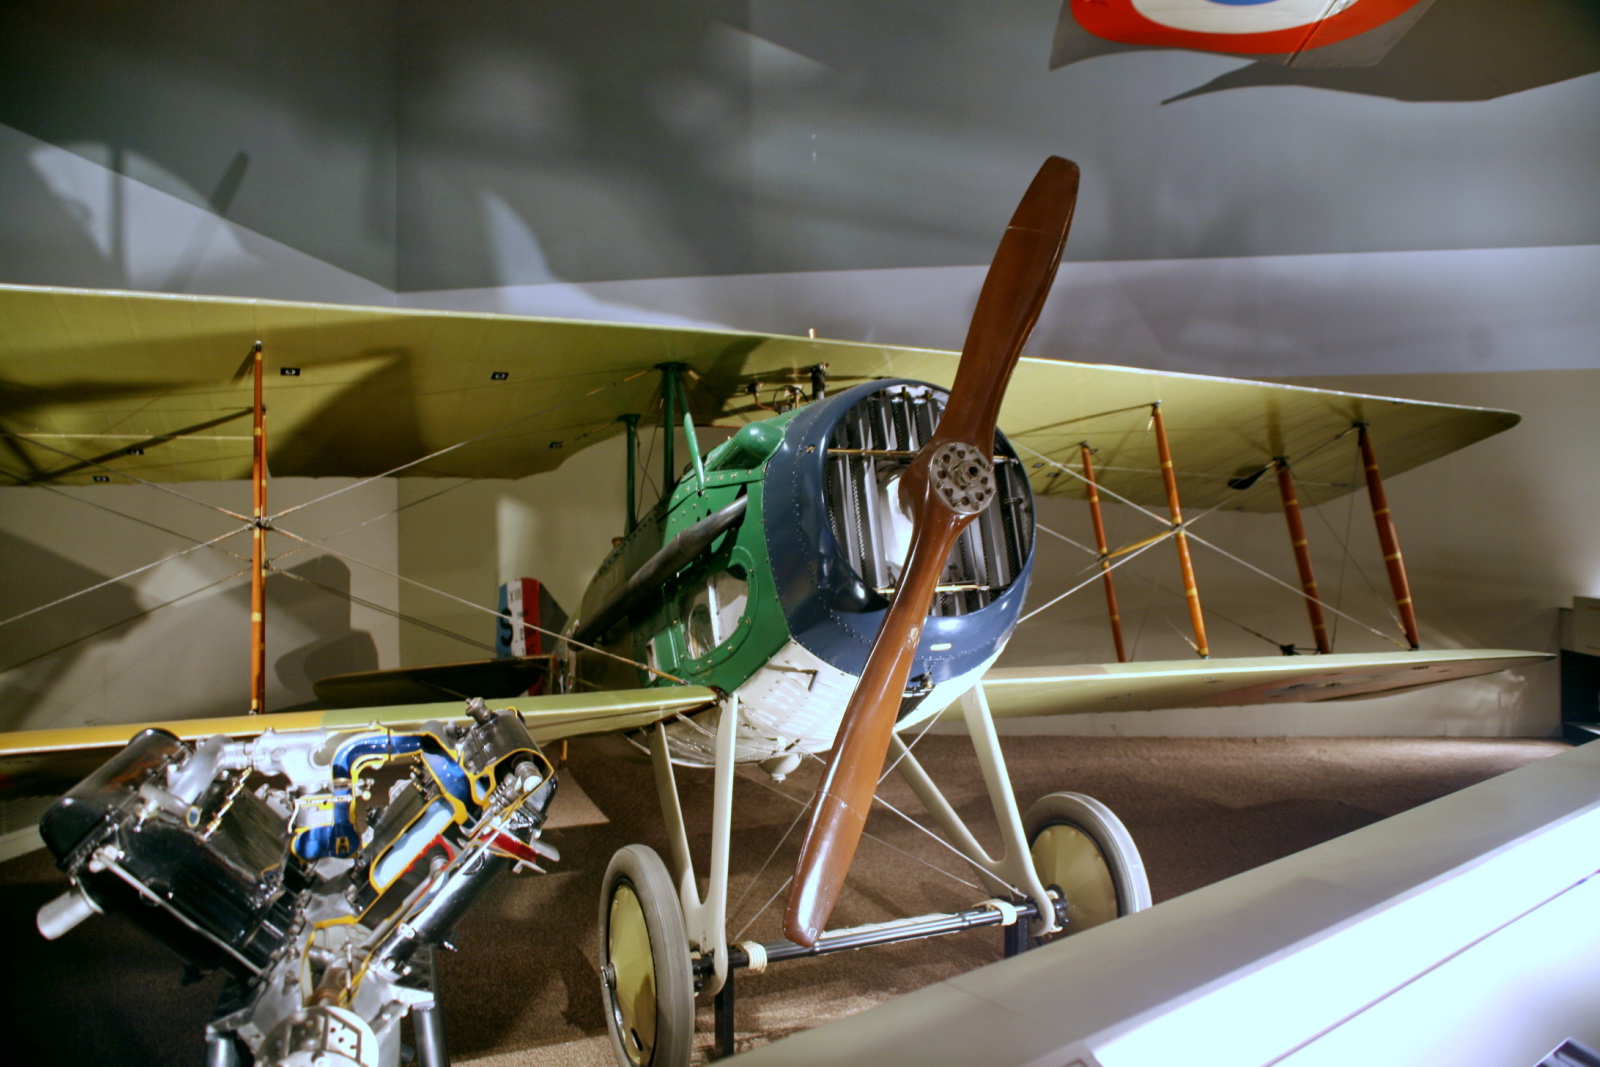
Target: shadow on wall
x=119 y=655
x=547 y=113
x=276 y=116
x=316 y=603
x=37 y=651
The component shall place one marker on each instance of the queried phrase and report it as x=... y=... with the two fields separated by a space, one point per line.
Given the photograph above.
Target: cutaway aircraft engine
x=246 y=856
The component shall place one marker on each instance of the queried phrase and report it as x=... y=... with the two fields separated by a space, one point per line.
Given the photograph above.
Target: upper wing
x=96 y=383
x=1215 y=683
x=43 y=762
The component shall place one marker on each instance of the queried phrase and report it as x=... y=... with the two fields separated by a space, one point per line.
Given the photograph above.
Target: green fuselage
x=717 y=620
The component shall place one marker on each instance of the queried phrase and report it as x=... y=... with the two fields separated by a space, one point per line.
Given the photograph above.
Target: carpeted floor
x=523 y=987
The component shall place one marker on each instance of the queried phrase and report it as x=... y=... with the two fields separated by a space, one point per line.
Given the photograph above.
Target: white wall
x=465 y=541
x=172 y=641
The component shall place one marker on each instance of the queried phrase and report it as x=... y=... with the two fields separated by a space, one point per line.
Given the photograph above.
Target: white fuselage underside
x=794 y=705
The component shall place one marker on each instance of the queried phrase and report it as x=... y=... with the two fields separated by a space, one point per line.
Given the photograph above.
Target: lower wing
x=1199 y=683
x=44 y=762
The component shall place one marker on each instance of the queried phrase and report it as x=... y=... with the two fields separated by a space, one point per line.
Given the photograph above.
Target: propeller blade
x=949 y=483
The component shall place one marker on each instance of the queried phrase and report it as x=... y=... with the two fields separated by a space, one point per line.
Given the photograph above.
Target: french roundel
x=1252 y=27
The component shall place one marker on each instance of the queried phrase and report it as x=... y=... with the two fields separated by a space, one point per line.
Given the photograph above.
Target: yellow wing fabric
x=1195 y=683
x=42 y=762
x=101 y=382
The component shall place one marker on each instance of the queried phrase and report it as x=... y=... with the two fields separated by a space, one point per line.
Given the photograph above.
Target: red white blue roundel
x=1252 y=27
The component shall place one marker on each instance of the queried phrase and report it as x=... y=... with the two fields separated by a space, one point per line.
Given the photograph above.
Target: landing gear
x=1081 y=850
x=644 y=962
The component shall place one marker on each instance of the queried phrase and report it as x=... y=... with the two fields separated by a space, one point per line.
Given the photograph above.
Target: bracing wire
x=390 y=612
x=122 y=622
x=1195 y=537
x=478 y=607
x=121 y=577
x=135 y=478
x=491 y=432
x=134 y=518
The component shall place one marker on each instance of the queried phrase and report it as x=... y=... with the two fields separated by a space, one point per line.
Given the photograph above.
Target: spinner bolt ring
x=963 y=477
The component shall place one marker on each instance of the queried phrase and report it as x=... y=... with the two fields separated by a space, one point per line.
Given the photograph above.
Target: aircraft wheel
x=1081 y=849
x=644 y=963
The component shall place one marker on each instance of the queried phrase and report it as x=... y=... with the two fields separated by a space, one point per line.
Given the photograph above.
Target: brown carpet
x=523 y=988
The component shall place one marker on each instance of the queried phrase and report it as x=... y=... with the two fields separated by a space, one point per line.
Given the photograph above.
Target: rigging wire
x=646 y=467
x=805 y=804
x=937 y=838
x=122 y=622
x=1129 y=557
x=1299 y=592
x=135 y=478
x=1215 y=548
x=122 y=577
x=458 y=484
x=1348 y=559
x=479 y=607
x=755 y=879
x=134 y=518
x=250 y=523
x=492 y=431
x=392 y=613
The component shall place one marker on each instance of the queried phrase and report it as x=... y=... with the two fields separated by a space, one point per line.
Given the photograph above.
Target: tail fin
x=528 y=616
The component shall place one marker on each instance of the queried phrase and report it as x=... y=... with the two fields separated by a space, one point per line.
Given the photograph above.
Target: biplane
x=835 y=575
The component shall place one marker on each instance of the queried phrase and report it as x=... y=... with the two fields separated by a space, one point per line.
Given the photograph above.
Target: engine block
x=267 y=858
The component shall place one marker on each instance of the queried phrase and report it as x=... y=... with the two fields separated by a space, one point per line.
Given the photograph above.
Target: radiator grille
x=867 y=450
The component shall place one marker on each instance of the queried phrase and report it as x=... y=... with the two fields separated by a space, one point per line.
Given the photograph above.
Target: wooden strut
x=258 y=549
x=1104 y=550
x=1388 y=540
x=1170 y=479
x=1302 y=554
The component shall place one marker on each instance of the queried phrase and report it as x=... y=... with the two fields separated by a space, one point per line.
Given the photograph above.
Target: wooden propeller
x=949 y=482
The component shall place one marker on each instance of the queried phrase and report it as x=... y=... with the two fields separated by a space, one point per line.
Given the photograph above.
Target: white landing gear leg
x=1037 y=855
x=705 y=920
x=651 y=919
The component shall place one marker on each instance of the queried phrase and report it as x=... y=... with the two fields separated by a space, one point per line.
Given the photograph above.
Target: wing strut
x=631 y=423
x=1387 y=538
x=1104 y=550
x=1169 y=478
x=1302 y=554
x=258 y=547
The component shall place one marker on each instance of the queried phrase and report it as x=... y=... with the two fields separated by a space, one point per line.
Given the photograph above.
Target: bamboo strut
x=1388 y=540
x=258 y=550
x=1104 y=550
x=1302 y=554
x=1185 y=564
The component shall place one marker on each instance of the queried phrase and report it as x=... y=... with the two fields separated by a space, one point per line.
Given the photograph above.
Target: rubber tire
x=1115 y=846
x=638 y=868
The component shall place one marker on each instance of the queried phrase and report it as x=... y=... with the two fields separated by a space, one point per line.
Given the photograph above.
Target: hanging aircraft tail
x=529 y=616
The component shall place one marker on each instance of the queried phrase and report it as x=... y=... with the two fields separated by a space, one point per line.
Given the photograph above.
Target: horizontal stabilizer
x=43 y=762
x=492 y=679
x=1013 y=692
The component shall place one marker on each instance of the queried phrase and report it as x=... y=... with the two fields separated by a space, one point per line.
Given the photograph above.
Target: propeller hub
x=963 y=477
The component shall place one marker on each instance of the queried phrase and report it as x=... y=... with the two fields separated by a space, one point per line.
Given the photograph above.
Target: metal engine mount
x=247 y=856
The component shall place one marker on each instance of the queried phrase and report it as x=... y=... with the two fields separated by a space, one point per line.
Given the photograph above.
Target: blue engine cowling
x=830 y=541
